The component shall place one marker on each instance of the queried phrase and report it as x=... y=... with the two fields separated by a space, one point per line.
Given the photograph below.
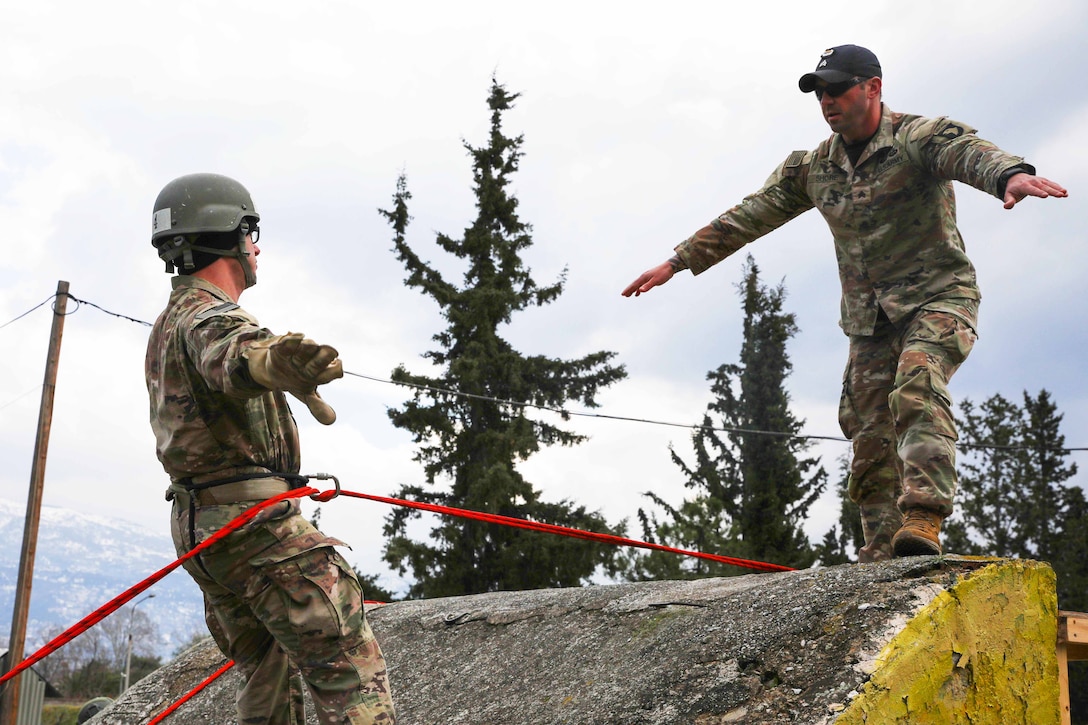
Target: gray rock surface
x=763 y=648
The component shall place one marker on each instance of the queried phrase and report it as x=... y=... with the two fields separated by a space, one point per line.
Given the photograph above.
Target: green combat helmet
x=193 y=214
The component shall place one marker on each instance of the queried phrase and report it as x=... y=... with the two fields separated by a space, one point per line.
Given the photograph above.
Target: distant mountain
x=83 y=562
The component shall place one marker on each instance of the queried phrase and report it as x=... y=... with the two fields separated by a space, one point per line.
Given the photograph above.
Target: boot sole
x=911 y=546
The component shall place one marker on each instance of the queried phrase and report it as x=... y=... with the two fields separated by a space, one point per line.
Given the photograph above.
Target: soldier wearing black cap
x=846 y=63
x=883 y=183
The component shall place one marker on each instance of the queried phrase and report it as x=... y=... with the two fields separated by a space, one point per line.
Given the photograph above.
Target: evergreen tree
x=989 y=479
x=470 y=442
x=841 y=542
x=751 y=490
x=1012 y=500
x=1046 y=473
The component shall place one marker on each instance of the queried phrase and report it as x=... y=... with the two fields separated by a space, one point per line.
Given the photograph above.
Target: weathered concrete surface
x=980 y=652
x=840 y=644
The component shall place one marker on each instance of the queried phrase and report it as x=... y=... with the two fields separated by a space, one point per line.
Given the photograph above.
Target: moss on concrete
x=981 y=652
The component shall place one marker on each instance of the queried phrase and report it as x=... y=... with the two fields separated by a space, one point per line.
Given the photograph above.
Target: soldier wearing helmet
x=279 y=599
x=883 y=183
x=201 y=217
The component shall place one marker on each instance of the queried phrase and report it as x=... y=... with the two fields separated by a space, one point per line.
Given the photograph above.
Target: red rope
x=555 y=529
x=325 y=496
x=117 y=602
x=120 y=600
x=195 y=691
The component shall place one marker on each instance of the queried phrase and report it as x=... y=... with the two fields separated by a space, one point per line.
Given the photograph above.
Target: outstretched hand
x=297 y=364
x=649 y=279
x=1021 y=186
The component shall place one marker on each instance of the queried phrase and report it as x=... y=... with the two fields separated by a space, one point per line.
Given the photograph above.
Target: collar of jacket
x=883 y=138
x=190 y=282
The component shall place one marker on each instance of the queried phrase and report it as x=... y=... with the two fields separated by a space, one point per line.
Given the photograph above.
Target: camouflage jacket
x=893 y=216
x=208 y=414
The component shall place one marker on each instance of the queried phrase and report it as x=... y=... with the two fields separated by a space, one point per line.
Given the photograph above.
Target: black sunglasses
x=250 y=227
x=837 y=89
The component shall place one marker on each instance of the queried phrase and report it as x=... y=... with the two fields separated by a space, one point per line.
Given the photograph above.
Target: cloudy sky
x=640 y=124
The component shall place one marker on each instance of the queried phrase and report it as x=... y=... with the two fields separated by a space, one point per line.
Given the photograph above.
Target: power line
x=103 y=309
x=17 y=398
x=567 y=414
x=75 y=309
x=27 y=312
x=585 y=414
x=720 y=429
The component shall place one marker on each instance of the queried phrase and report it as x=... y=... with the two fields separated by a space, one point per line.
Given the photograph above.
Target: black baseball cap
x=839 y=64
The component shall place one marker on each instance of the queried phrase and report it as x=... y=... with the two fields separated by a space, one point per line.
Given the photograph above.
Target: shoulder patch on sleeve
x=935 y=130
x=217 y=310
x=793 y=164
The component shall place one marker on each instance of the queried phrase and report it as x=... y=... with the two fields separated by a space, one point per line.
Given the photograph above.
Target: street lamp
x=128 y=648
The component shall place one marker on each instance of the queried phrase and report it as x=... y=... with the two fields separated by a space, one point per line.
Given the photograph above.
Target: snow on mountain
x=84 y=561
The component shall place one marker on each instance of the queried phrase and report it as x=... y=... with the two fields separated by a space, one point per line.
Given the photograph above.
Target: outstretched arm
x=654 y=277
x=1021 y=186
x=297 y=364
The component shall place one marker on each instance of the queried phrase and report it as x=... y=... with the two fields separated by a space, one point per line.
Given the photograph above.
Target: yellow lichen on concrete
x=982 y=652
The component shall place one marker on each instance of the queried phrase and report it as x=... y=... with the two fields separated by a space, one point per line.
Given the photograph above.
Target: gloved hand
x=297 y=365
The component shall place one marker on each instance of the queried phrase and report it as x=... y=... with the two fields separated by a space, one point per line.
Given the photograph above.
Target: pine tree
x=1012 y=499
x=841 y=542
x=989 y=479
x=1045 y=456
x=470 y=441
x=752 y=491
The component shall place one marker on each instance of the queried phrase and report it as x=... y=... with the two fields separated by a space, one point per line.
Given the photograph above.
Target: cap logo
x=823 y=63
x=828 y=52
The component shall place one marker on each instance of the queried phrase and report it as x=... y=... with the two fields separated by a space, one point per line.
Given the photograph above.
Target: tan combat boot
x=919 y=535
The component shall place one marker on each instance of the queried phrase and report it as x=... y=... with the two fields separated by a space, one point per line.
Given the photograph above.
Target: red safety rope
x=553 y=529
x=120 y=600
x=116 y=603
x=325 y=496
x=195 y=691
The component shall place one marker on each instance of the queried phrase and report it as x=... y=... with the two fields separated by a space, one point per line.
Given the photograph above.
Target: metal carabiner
x=323 y=495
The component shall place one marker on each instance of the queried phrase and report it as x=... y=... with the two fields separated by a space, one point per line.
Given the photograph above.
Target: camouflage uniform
x=278 y=597
x=909 y=295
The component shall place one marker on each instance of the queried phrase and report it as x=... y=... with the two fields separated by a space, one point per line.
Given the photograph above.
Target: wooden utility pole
x=9 y=702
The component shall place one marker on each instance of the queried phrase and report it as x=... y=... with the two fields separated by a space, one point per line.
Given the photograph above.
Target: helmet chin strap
x=243 y=257
x=182 y=247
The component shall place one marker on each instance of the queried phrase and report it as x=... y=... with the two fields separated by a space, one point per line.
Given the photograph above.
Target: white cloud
x=639 y=127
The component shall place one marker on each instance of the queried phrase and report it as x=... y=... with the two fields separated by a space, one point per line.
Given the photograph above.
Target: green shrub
x=60 y=714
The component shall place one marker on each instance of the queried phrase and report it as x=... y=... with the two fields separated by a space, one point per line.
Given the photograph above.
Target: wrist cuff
x=1007 y=174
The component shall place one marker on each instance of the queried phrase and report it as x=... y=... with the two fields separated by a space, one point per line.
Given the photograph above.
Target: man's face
x=851 y=112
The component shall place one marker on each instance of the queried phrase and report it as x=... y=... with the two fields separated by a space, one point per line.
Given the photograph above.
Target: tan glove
x=298 y=365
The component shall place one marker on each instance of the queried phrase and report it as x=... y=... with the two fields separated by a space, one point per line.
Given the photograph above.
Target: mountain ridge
x=85 y=560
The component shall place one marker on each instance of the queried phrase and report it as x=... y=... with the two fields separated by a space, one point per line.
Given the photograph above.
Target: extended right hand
x=1021 y=186
x=297 y=365
x=649 y=279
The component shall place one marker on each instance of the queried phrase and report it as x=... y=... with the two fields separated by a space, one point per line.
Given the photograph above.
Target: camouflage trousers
x=288 y=609
x=897 y=410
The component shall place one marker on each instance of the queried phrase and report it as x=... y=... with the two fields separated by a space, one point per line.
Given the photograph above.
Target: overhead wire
x=103 y=309
x=19 y=397
x=566 y=414
x=19 y=317
x=691 y=426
